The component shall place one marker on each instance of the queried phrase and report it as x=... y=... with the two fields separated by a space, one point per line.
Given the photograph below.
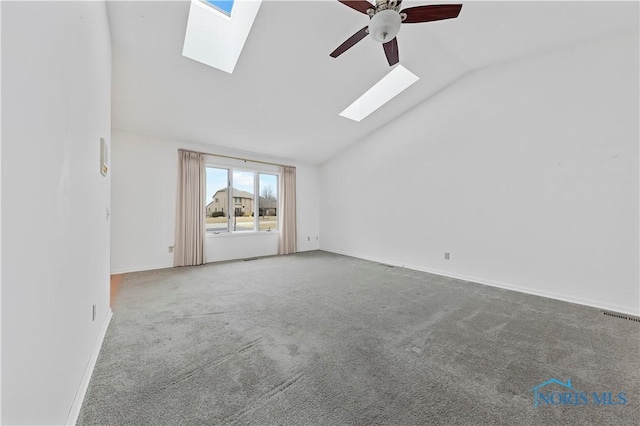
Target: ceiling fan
x=385 y=19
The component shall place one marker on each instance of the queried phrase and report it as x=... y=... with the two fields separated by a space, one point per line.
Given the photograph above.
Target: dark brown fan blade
x=431 y=13
x=391 y=50
x=359 y=5
x=348 y=44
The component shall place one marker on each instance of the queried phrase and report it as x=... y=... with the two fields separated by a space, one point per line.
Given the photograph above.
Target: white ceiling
x=285 y=94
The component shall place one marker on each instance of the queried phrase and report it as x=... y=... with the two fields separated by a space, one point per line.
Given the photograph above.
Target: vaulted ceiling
x=285 y=94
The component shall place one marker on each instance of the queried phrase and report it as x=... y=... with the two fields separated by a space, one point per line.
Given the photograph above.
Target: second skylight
x=390 y=86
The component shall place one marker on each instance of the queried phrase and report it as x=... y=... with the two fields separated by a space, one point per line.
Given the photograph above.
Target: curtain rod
x=234 y=158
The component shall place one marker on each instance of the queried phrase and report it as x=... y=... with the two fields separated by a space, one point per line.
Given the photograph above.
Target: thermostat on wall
x=104 y=157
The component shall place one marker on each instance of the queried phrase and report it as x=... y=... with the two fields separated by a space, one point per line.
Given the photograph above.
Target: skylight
x=390 y=86
x=215 y=38
x=223 y=6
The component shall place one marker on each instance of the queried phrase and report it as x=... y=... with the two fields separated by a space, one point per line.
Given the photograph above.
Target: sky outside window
x=216 y=180
x=268 y=185
x=243 y=181
x=223 y=6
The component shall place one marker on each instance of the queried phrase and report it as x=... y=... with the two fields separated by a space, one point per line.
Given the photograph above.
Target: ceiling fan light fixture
x=385 y=25
x=385 y=20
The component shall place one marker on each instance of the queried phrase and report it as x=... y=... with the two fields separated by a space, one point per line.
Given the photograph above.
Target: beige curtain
x=190 y=211
x=287 y=195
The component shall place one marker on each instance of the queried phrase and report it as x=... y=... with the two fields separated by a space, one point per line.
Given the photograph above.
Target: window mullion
x=229 y=199
x=256 y=196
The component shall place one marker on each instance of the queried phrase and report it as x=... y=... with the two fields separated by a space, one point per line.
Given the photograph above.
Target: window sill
x=241 y=234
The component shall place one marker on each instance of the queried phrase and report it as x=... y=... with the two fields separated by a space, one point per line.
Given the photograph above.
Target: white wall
x=526 y=172
x=56 y=84
x=145 y=173
x=0 y=221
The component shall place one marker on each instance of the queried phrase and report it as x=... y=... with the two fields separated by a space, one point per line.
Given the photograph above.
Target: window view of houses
x=235 y=208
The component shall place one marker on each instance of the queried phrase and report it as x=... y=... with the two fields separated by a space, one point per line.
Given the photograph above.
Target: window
x=382 y=92
x=217 y=183
x=232 y=204
x=268 y=202
x=243 y=189
x=223 y=6
x=216 y=31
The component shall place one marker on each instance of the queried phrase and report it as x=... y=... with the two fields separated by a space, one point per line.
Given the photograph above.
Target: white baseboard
x=209 y=260
x=140 y=269
x=507 y=286
x=86 y=377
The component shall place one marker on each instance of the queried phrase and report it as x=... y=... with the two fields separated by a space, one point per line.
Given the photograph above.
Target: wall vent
x=621 y=316
x=388 y=266
x=250 y=259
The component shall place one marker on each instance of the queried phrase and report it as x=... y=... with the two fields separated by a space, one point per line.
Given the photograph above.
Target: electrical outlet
x=446 y=255
x=308 y=238
x=170 y=249
x=316 y=238
x=93 y=313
